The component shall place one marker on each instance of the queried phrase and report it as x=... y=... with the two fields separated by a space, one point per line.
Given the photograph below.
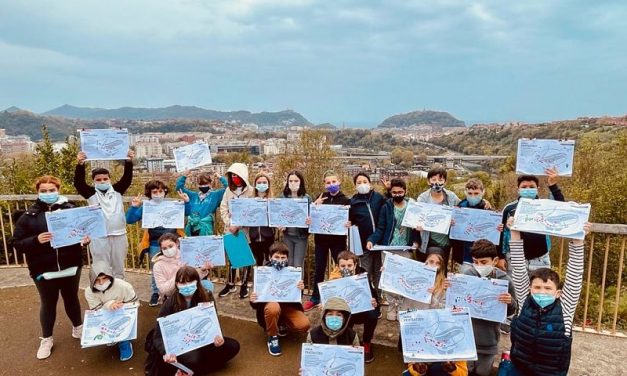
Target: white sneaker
x=45 y=348
x=77 y=331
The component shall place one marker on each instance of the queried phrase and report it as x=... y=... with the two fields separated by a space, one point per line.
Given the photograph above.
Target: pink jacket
x=165 y=269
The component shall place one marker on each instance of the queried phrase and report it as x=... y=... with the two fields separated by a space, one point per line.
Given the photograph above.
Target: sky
x=351 y=61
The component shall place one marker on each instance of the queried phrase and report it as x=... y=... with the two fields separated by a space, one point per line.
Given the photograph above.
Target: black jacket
x=364 y=213
x=385 y=227
x=42 y=258
x=339 y=199
x=260 y=234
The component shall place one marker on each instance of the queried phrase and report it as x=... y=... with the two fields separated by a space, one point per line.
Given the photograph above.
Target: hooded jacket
x=385 y=227
x=164 y=271
x=118 y=290
x=321 y=334
x=240 y=170
x=42 y=258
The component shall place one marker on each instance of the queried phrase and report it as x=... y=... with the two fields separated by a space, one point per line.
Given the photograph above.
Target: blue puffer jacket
x=364 y=213
x=385 y=227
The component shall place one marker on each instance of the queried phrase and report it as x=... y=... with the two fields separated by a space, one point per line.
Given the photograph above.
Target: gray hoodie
x=118 y=290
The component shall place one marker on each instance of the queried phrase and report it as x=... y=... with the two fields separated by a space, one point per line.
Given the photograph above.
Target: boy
x=111 y=249
x=536 y=246
x=110 y=293
x=474 y=200
x=487 y=333
x=346 y=267
x=324 y=243
x=271 y=313
x=334 y=328
x=438 y=195
x=202 y=205
x=542 y=333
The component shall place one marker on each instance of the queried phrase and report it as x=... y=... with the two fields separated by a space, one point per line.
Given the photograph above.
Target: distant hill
x=18 y=122
x=325 y=126
x=287 y=117
x=427 y=117
x=13 y=109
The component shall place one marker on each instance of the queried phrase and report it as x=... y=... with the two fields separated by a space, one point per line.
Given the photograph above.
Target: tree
x=46 y=162
x=67 y=162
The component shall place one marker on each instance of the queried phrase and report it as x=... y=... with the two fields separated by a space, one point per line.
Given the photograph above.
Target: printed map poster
x=355 y=290
x=535 y=156
x=103 y=327
x=196 y=250
x=288 y=212
x=166 y=214
x=189 y=329
x=105 y=144
x=328 y=219
x=249 y=212
x=409 y=278
x=280 y=286
x=479 y=295
x=191 y=156
x=550 y=217
x=432 y=217
x=69 y=226
x=474 y=224
x=325 y=360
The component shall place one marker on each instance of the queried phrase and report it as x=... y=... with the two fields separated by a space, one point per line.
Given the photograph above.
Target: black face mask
x=204 y=189
x=398 y=199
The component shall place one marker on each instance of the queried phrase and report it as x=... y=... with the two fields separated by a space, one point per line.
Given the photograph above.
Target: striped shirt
x=572 y=285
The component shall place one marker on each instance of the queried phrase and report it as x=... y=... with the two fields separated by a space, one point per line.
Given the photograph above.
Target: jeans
x=49 y=295
x=298 y=250
x=371 y=261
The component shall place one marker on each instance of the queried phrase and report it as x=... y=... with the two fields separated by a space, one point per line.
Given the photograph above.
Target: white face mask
x=102 y=286
x=169 y=252
x=484 y=270
x=363 y=188
x=294 y=186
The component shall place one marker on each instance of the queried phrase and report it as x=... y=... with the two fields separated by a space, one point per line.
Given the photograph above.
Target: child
x=542 y=333
x=326 y=243
x=458 y=368
x=333 y=328
x=188 y=293
x=167 y=263
x=110 y=293
x=535 y=246
x=438 y=195
x=238 y=187
x=487 y=333
x=156 y=191
x=261 y=238
x=295 y=238
x=113 y=248
x=201 y=207
x=270 y=314
x=364 y=213
x=474 y=200
x=347 y=266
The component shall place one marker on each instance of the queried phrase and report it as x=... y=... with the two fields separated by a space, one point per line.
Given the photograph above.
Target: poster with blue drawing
x=432 y=217
x=536 y=156
x=474 y=224
x=70 y=226
x=272 y=285
x=355 y=290
x=191 y=156
x=328 y=219
x=249 y=212
x=105 y=144
x=189 y=329
x=436 y=335
x=288 y=212
x=479 y=295
x=550 y=217
x=409 y=278
x=325 y=360
x=196 y=250
x=103 y=327
x=166 y=214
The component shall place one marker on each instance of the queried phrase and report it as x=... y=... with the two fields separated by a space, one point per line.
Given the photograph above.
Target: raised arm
x=520 y=276
x=180 y=186
x=127 y=178
x=80 y=184
x=573 y=282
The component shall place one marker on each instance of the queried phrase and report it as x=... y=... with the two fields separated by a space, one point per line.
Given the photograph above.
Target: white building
x=148 y=150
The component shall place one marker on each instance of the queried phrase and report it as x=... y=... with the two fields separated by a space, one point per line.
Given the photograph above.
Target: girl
x=294 y=237
x=261 y=238
x=188 y=293
x=201 y=206
x=53 y=270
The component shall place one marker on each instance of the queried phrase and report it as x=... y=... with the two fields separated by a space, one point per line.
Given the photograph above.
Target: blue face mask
x=543 y=300
x=528 y=192
x=207 y=284
x=187 y=290
x=49 y=198
x=103 y=186
x=334 y=322
x=474 y=200
x=333 y=188
x=261 y=187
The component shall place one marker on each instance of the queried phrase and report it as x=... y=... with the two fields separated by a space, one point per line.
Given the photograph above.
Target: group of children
x=540 y=332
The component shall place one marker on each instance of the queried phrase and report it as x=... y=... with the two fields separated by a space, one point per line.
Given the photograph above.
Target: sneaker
x=154 y=300
x=368 y=354
x=282 y=330
x=273 y=346
x=227 y=290
x=309 y=305
x=126 y=350
x=77 y=331
x=243 y=291
x=45 y=348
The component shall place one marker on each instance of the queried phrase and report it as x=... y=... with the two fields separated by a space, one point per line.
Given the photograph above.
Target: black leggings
x=369 y=319
x=261 y=250
x=205 y=359
x=49 y=295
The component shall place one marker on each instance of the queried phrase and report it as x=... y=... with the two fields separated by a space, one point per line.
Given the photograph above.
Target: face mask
x=294 y=186
x=484 y=270
x=188 y=290
x=363 y=188
x=346 y=272
x=237 y=180
x=333 y=188
x=334 y=322
x=278 y=265
x=169 y=252
x=158 y=198
x=474 y=200
x=49 y=198
x=102 y=286
x=261 y=187
x=207 y=285
x=543 y=300
x=204 y=189
x=103 y=186
x=528 y=192
x=437 y=187
x=398 y=199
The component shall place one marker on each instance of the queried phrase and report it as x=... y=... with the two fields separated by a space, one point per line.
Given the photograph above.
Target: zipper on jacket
x=371 y=218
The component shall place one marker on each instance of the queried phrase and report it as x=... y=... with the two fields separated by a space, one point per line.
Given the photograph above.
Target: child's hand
x=500 y=227
x=502 y=264
x=137 y=201
x=487 y=204
x=553 y=176
x=320 y=200
x=184 y=196
x=81 y=157
x=347 y=224
x=169 y=358
x=218 y=341
x=206 y=266
x=586 y=229
x=44 y=237
x=253 y=297
x=369 y=245
x=447 y=283
x=373 y=301
x=308 y=221
x=281 y=229
x=300 y=372
x=86 y=240
x=515 y=235
x=421 y=368
x=116 y=305
x=419 y=228
x=452 y=221
x=449 y=367
x=505 y=297
x=300 y=285
x=233 y=229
